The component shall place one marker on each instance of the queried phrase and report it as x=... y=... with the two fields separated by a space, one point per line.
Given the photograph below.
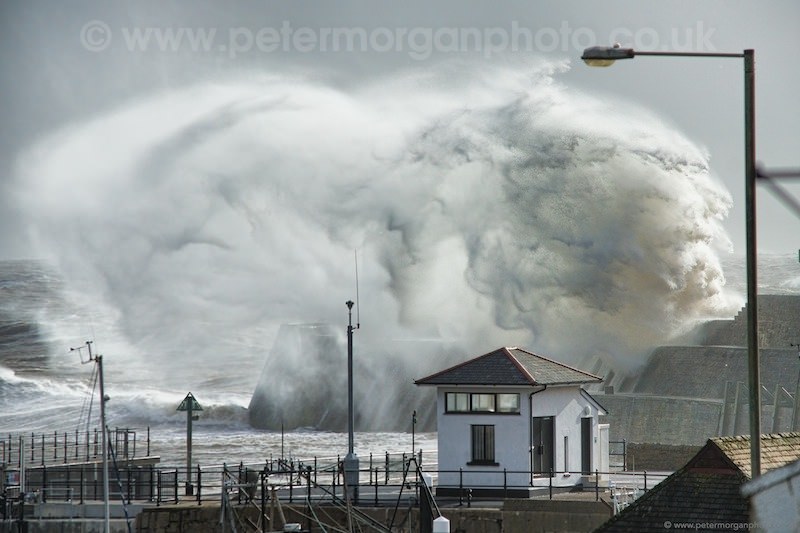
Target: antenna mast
x=351 y=466
x=98 y=360
x=358 y=305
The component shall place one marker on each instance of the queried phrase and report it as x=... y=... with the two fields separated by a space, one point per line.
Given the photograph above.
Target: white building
x=774 y=501
x=509 y=418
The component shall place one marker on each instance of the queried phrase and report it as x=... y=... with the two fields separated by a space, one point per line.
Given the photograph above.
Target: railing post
x=263 y=479
x=239 y=491
x=596 y=484
x=333 y=481
x=460 y=487
x=386 y=472
x=199 y=484
x=376 y=486
x=291 y=483
x=44 y=484
x=505 y=483
x=55 y=446
x=158 y=490
x=624 y=456
x=128 y=484
x=42 y=450
x=550 y=485
x=645 y=480
x=82 y=482
x=175 y=486
x=308 y=483
x=152 y=482
x=33 y=447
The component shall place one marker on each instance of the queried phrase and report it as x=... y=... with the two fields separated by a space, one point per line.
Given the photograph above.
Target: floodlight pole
x=605 y=56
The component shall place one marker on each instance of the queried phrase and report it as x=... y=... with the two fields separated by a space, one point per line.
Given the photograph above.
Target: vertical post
x=199 y=484
x=624 y=455
x=189 y=490
x=106 y=509
x=22 y=473
x=263 y=499
x=351 y=467
x=596 y=484
x=754 y=381
x=413 y=428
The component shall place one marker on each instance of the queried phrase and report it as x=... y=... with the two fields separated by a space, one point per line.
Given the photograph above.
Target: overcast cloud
x=67 y=62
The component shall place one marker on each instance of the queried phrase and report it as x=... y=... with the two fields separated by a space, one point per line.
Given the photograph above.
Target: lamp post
x=604 y=56
x=351 y=459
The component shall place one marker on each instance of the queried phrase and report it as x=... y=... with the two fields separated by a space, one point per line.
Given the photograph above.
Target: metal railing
x=67 y=447
x=618 y=449
x=381 y=481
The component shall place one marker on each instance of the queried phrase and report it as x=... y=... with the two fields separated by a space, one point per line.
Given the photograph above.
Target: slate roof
x=510 y=366
x=707 y=490
x=777 y=450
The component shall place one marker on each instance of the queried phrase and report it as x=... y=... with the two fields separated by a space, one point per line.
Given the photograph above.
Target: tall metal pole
x=351 y=466
x=98 y=360
x=753 y=364
x=350 y=413
x=605 y=56
x=106 y=511
x=189 y=488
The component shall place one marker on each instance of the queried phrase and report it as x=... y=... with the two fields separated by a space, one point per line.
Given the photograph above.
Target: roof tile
x=510 y=366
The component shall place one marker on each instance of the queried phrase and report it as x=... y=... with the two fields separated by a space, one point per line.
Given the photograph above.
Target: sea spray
x=488 y=209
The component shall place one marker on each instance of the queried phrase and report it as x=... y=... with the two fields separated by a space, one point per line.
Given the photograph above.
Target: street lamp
x=351 y=465
x=604 y=56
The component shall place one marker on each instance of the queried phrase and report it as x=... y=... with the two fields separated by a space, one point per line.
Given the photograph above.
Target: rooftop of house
x=510 y=366
x=707 y=490
x=777 y=450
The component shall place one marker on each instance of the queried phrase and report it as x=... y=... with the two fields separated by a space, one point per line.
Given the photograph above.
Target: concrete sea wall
x=533 y=516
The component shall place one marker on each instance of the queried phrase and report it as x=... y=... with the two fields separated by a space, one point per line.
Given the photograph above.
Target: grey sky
x=51 y=78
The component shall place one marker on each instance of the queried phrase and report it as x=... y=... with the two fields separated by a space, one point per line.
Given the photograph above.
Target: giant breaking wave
x=486 y=210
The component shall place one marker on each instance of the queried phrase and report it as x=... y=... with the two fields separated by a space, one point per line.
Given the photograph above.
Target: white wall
x=512 y=442
x=568 y=406
x=774 y=501
x=512 y=438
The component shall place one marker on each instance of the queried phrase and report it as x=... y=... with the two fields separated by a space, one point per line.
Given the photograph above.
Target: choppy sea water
x=45 y=387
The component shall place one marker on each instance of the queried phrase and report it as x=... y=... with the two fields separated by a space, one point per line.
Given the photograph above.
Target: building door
x=542 y=445
x=586 y=445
